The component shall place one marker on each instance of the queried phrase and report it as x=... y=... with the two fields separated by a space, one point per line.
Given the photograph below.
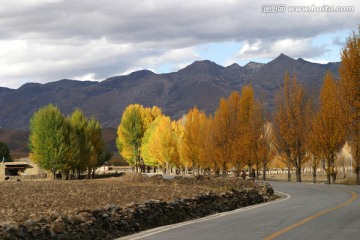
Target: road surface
x=307 y=211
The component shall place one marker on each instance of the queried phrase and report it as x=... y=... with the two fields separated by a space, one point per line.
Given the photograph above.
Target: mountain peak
x=253 y=65
x=282 y=58
x=141 y=73
x=202 y=66
x=234 y=66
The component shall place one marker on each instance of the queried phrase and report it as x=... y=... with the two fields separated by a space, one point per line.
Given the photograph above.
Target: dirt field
x=30 y=199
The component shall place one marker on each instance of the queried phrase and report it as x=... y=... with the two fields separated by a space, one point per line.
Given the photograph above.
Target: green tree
x=80 y=153
x=49 y=139
x=95 y=146
x=4 y=153
x=130 y=133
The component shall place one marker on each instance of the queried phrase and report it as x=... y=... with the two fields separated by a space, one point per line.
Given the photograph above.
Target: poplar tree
x=292 y=124
x=328 y=130
x=250 y=124
x=350 y=85
x=130 y=133
x=49 y=139
x=79 y=142
x=96 y=147
x=193 y=139
x=134 y=122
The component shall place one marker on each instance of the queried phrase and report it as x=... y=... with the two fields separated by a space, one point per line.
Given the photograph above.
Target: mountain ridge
x=201 y=83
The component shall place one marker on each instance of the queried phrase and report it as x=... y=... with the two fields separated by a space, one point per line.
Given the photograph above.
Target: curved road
x=308 y=211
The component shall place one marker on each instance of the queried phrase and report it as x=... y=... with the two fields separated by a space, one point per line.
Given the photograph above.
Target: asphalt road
x=307 y=211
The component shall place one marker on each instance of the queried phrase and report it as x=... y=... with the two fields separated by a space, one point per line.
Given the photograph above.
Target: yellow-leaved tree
x=192 y=145
x=250 y=124
x=225 y=134
x=266 y=147
x=134 y=122
x=160 y=145
x=292 y=125
x=350 y=84
x=329 y=131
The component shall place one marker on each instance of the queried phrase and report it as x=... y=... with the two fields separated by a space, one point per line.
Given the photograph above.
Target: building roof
x=18 y=164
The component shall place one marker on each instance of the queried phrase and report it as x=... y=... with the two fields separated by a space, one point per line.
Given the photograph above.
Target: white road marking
x=154 y=231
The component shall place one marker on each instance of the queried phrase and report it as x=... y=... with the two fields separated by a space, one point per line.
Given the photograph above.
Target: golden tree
x=328 y=130
x=222 y=136
x=193 y=139
x=134 y=122
x=250 y=124
x=292 y=125
x=350 y=85
x=266 y=147
x=160 y=146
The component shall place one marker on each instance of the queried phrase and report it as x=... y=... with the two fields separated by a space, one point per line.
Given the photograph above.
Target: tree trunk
x=357 y=172
x=224 y=170
x=298 y=174
x=237 y=171
x=167 y=168
x=257 y=169
x=333 y=178
x=314 y=174
x=289 y=172
x=328 y=177
x=264 y=174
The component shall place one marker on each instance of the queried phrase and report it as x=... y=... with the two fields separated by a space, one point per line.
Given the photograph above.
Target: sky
x=48 y=40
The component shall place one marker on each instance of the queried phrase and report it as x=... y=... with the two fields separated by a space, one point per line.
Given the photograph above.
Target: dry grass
x=21 y=200
x=307 y=177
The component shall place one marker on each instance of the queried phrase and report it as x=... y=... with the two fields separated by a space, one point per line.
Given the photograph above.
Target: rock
x=111 y=221
x=79 y=219
x=41 y=219
x=29 y=223
x=58 y=227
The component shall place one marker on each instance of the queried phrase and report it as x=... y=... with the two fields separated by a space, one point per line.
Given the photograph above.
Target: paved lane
x=306 y=201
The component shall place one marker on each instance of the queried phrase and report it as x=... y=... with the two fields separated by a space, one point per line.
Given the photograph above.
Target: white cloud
x=47 y=40
x=293 y=47
x=86 y=77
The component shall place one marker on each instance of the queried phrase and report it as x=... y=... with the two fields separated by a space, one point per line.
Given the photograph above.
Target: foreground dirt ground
x=31 y=199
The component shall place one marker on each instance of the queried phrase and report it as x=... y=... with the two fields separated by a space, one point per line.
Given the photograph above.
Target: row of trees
x=69 y=145
x=238 y=134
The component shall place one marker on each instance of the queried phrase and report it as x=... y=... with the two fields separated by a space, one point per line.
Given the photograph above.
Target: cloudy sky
x=48 y=40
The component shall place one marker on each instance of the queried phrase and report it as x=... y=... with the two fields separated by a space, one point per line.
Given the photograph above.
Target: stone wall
x=27 y=177
x=112 y=221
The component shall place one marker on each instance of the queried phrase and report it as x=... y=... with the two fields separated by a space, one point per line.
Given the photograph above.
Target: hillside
x=202 y=83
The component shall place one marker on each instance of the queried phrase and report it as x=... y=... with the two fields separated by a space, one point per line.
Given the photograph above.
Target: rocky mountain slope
x=202 y=84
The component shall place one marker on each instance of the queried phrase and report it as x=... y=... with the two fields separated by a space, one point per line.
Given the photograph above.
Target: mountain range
x=201 y=83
